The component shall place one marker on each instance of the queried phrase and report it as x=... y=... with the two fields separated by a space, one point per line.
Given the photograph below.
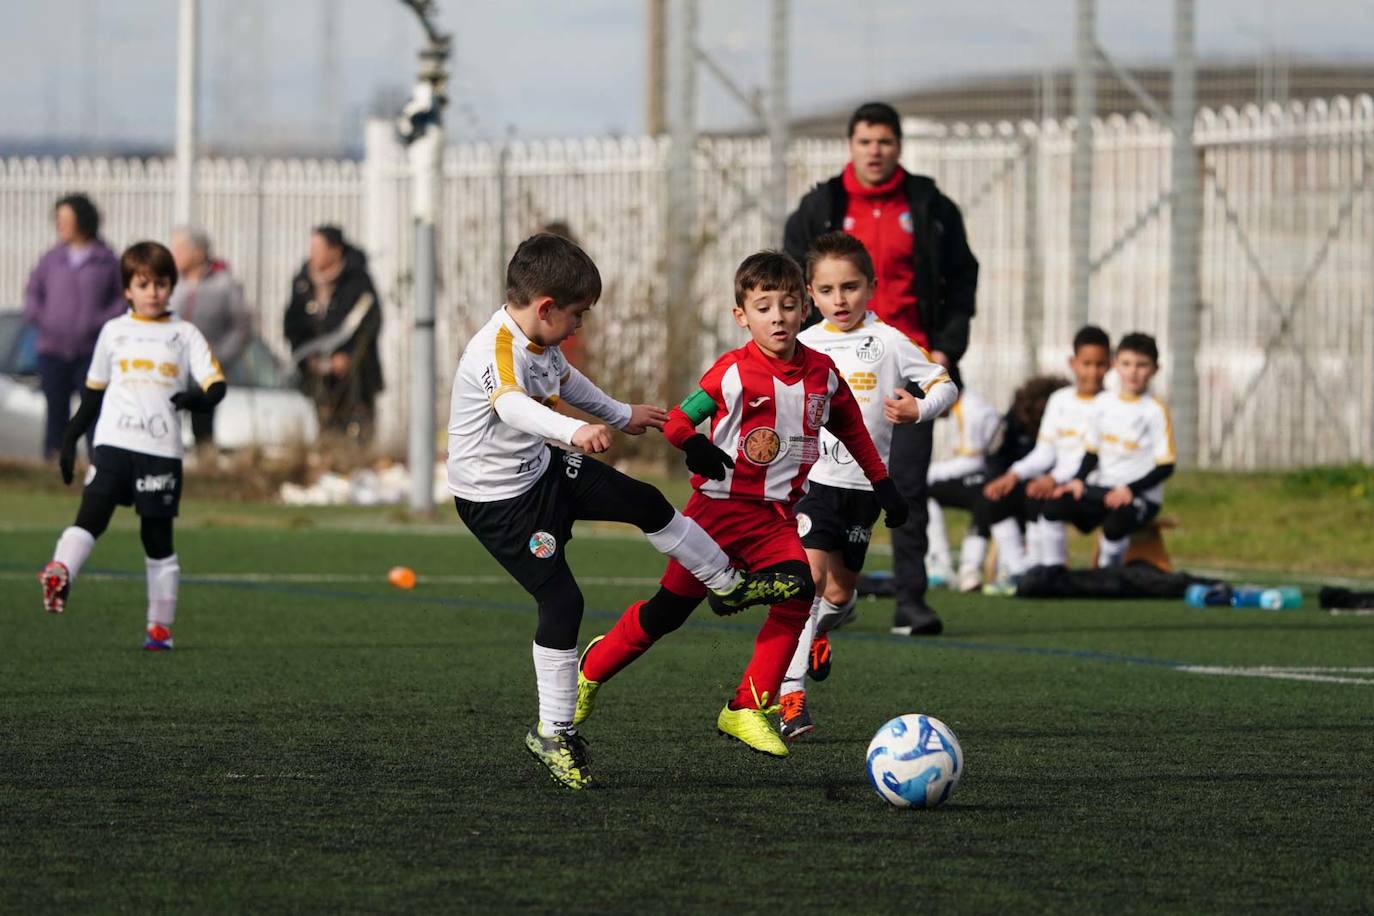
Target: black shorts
x=838 y=518
x=149 y=483
x=528 y=534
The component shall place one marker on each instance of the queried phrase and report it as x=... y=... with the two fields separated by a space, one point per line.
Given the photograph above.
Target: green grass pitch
x=320 y=741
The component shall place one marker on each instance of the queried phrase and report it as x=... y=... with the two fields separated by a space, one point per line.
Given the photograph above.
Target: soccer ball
x=915 y=761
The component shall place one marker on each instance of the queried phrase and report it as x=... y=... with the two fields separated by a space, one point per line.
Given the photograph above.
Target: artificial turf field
x=321 y=741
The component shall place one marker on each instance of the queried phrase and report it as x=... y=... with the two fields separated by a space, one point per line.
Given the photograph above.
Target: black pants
x=1015 y=504
x=962 y=493
x=60 y=379
x=1089 y=512
x=908 y=464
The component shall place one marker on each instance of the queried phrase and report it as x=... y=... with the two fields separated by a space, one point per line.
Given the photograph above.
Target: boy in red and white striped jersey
x=767 y=403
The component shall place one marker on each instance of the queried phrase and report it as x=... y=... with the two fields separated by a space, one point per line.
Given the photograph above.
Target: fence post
x=1184 y=318
x=382 y=160
x=1033 y=305
x=1081 y=195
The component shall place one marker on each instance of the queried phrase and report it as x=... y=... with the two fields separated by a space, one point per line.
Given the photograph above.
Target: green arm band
x=698 y=406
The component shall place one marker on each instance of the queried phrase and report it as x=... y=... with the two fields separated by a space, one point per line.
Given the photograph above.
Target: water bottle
x=1201 y=596
x=1279 y=598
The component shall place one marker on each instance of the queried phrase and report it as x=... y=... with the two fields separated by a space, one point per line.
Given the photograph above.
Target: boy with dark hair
x=1020 y=494
x=140 y=379
x=767 y=403
x=520 y=496
x=1130 y=444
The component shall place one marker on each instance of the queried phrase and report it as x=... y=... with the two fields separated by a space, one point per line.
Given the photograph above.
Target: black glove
x=66 y=460
x=189 y=400
x=893 y=503
x=704 y=458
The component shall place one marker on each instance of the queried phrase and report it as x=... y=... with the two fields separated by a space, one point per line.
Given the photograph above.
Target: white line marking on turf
x=345 y=578
x=1280 y=674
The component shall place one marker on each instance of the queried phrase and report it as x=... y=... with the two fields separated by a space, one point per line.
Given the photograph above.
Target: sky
x=103 y=71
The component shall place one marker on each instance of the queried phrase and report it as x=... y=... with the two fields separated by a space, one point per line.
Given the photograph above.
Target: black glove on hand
x=704 y=458
x=189 y=400
x=66 y=460
x=893 y=503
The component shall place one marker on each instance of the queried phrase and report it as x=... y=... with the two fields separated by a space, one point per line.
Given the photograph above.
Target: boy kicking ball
x=767 y=403
x=835 y=518
x=138 y=384
x=520 y=496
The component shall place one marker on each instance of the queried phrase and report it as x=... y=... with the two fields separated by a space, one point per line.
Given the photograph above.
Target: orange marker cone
x=401 y=577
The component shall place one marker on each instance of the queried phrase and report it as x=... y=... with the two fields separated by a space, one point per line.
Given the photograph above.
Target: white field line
x=346 y=578
x=1278 y=674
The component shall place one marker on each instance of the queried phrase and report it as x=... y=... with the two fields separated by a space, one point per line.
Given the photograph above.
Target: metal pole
x=1185 y=323
x=422 y=127
x=184 y=210
x=777 y=120
x=1081 y=197
x=655 y=67
x=683 y=337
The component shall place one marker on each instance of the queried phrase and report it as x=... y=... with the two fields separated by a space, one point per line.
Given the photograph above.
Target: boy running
x=767 y=403
x=144 y=372
x=1130 y=444
x=520 y=496
x=1020 y=494
x=835 y=518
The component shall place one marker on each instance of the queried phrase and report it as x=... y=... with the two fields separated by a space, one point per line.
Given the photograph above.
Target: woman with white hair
x=208 y=296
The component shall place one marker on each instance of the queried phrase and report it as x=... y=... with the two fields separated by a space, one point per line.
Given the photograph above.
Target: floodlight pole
x=188 y=35
x=1081 y=190
x=421 y=129
x=777 y=119
x=1185 y=321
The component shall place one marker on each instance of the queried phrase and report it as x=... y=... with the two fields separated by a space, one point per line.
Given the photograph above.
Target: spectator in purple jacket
x=74 y=290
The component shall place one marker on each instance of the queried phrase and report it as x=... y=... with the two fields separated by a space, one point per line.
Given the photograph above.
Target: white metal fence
x=1287 y=250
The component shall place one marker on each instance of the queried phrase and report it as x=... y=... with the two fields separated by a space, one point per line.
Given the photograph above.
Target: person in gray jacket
x=208 y=296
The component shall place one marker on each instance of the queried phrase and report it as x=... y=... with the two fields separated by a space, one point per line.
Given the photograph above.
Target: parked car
x=262 y=408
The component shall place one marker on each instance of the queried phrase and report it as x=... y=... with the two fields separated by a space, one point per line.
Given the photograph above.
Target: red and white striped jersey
x=768 y=417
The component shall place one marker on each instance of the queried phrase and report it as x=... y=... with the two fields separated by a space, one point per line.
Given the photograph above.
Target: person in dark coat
x=927 y=282
x=74 y=289
x=332 y=324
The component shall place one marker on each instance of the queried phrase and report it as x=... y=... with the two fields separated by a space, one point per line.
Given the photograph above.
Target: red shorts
x=752 y=534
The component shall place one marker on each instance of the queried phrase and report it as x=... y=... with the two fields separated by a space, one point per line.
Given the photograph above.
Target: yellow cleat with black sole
x=586 y=690
x=565 y=755
x=753 y=727
x=754 y=588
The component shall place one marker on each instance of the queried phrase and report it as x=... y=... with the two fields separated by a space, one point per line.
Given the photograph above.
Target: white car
x=260 y=410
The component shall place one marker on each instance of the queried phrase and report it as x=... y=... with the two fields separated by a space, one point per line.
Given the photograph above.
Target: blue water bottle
x=1200 y=595
x=1277 y=598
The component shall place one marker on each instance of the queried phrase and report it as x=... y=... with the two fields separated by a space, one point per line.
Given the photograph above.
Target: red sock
x=625 y=642
x=773 y=650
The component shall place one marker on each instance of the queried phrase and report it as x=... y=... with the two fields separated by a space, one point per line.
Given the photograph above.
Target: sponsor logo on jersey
x=761 y=446
x=858 y=534
x=760 y=401
x=870 y=350
x=862 y=381
x=572 y=465
x=809 y=448
x=155 y=483
x=803 y=524
x=815 y=410
x=543 y=545
x=837 y=453
x=155 y=427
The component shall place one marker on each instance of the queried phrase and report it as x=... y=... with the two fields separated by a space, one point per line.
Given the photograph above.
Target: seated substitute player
x=145 y=370
x=520 y=496
x=954 y=483
x=835 y=518
x=1130 y=444
x=1020 y=494
x=767 y=402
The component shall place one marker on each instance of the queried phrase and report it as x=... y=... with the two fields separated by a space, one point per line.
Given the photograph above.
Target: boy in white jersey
x=1019 y=495
x=520 y=496
x=836 y=516
x=148 y=366
x=955 y=483
x=1130 y=444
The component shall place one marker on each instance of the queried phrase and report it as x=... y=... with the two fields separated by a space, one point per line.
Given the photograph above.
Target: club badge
x=543 y=545
x=762 y=446
x=815 y=410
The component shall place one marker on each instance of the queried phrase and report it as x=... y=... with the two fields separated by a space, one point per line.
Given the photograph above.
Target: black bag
x=1137 y=579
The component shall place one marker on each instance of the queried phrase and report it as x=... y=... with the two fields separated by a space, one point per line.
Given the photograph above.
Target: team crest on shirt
x=870 y=350
x=815 y=410
x=803 y=524
x=762 y=446
x=543 y=545
x=905 y=221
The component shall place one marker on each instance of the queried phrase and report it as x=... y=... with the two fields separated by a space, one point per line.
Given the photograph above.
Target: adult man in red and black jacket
x=927 y=281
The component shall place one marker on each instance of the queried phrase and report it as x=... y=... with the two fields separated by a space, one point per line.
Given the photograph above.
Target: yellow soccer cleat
x=565 y=755
x=752 y=727
x=586 y=690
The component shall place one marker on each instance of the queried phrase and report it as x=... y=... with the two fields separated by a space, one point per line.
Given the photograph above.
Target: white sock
x=801 y=659
x=1011 y=547
x=831 y=615
x=1111 y=553
x=688 y=543
x=164 y=578
x=1054 y=543
x=555 y=672
x=972 y=552
x=937 y=539
x=73 y=547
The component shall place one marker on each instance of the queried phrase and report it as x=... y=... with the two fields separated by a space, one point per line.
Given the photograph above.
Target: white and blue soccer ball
x=915 y=761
